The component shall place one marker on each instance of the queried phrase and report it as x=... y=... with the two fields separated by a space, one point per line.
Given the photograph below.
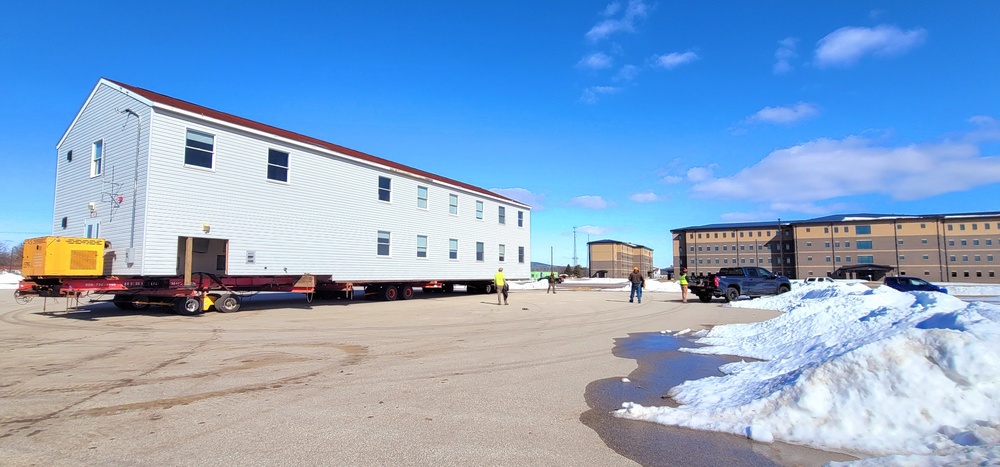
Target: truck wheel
x=389 y=293
x=406 y=292
x=490 y=288
x=228 y=304
x=123 y=302
x=732 y=294
x=705 y=298
x=782 y=289
x=139 y=302
x=188 y=306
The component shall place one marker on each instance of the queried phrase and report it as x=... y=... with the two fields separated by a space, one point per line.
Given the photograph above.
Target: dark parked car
x=911 y=284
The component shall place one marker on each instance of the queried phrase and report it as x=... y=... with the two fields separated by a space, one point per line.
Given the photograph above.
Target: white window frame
x=452 y=204
x=502 y=215
x=503 y=253
x=379 y=243
x=520 y=218
x=192 y=148
x=97 y=158
x=387 y=190
x=480 y=252
x=288 y=163
x=479 y=210
x=92 y=229
x=422 y=200
x=421 y=248
x=453 y=248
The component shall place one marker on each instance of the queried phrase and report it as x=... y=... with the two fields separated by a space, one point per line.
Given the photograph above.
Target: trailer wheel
x=732 y=294
x=123 y=302
x=188 y=306
x=406 y=293
x=228 y=304
x=489 y=288
x=390 y=293
x=20 y=298
x=705 y=298
x=139 y=302
x=448 y=288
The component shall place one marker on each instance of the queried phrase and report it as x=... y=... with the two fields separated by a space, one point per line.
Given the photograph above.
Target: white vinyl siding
x=324 y=223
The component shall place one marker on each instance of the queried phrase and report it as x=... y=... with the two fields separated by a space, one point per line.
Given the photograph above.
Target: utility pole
x=550 y=259
x=575 y=261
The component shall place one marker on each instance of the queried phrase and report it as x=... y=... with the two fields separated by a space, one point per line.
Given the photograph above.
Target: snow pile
x=9 y=280
x=848 y=368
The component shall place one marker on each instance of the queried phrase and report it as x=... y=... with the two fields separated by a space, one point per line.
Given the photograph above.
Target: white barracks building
x=146 y=172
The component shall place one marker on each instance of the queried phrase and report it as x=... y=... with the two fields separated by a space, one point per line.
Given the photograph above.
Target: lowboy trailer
x=67 y=268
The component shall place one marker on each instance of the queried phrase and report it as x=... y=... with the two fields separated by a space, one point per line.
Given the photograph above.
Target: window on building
x=899 y=242
x=864 y=244
x=699 y=248
x=965 y=258
x=838 y=259
x=836 y=230
x=422 y=197
x=809 y=243
x=953 y=273
x=277 y=165
x=502 y=215
x=453 y=204
x=826 y=244
x=899 y=226
x=923 y=226
x=452 y=248
x=92 y=229
x=503 y=252
x=976 y=258
x=97 y=158
x=480 y=251
x=975 y=226
x=836 y=244
x=962 y=227
x=863 y=230
x=950 y=228
x=952 y=258
x=965 y=274
x=902 y=257
x=383 y=243
x=199 y=149
x=866 y=259
x=989 y=258
x=979 y=274
x=520 y=254
x=479 y=208
x=809 y=258
x=847 y=244
x=421 y=246
x=725 y=247
x=808 y=230
x=923 y=241
x=847 y=229
x=384 y=189
x=965 y=243
x=975 y=242
x=951 y=243
x=827 y=259
x=520 y=218
x=847 y=259
x=692 y=248
x=926 y=257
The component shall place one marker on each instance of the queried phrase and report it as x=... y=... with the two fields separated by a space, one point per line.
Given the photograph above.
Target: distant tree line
x=10 y=255
x=575 y=271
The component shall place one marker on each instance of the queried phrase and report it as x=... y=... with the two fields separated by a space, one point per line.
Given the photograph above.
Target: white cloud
x=592 y=94
x=636 y=10
x=593 y=230
x=595 y=61
x=523 y=195
x=645 y=197
x=674 y=59
x=589 y=202
x=627 y=73
x=847 y=45
x=784 y=115
x=784 y=54
x=827 y=169
x=699 y=174
x=671 y=179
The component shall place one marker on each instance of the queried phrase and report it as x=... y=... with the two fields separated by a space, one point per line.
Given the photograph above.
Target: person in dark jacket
x=552 y=283
x=638 y=282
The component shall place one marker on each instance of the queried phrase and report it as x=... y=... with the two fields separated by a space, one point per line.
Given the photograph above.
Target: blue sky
x=623 y=119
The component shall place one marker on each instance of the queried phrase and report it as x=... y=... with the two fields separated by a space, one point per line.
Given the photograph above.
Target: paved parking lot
x=439 y=380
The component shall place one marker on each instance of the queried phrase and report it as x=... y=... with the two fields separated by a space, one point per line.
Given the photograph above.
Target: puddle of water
x=660 y=367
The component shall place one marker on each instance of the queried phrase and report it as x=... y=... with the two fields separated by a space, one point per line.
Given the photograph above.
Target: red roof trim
x=240 y=121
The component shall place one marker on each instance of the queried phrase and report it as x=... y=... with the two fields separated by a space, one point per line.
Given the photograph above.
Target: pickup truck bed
x=731 y=283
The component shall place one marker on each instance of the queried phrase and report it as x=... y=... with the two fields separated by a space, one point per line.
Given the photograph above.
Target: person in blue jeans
x=638 y=282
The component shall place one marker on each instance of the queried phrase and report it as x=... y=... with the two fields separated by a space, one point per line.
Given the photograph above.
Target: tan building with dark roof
x=938 y=248
x=616 y=259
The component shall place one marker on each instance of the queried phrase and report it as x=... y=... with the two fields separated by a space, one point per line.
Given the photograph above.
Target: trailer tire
x=732 y=294
x=705 y=298
x=228 y=304
x=448 y=288
x=123 y=302
x=188 y=306
x=139 y=302
x=489 y=288
x=406 y=292
x=390 y=293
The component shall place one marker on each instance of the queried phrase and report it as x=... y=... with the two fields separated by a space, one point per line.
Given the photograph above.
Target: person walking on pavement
x=501 y=283
x=638 y=281
x=552 y=283
x=682 y=279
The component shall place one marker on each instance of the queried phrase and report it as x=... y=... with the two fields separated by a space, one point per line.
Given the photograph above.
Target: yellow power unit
x=62 y=256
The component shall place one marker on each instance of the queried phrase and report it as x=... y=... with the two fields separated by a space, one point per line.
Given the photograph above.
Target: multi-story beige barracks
x=611 y=258
x=938 y=248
